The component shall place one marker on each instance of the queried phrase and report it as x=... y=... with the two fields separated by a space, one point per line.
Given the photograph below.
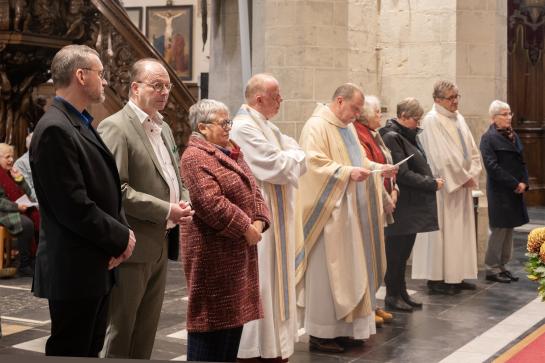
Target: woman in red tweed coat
x=219 y=251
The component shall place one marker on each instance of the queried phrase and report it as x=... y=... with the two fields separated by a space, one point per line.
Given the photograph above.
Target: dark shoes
x=504 y=277
x=397 y=303
x=337 y=345
x=415 y=304
x=325 y=345
x=465 y=286
x=440 y=287
x=499 y=277
x=509 y=275
x=349 y=342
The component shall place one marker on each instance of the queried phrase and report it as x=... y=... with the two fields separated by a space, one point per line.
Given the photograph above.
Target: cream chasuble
x=339 y=229
x=277 y=162
x=449 y=254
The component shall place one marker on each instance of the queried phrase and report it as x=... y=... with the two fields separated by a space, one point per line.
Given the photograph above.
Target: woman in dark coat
x=21 y=220
x=416 y=209
x=219 y=251
x=507 y=180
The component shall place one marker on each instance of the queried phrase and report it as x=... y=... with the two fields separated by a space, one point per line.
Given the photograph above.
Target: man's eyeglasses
x=506 y=114
x=100 y=72
x=158 y=86
x=225 y=124
x=452 y=98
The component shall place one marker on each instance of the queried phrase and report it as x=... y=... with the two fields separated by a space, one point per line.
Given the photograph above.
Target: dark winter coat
x=505 y=169
x=416 y=209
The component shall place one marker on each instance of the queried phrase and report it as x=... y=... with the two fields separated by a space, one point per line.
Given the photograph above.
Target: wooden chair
x=6 y=270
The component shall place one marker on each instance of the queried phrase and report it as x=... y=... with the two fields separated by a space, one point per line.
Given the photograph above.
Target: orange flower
x=536 y=238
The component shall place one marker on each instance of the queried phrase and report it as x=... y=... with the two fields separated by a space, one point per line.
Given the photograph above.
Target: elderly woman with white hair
x=507 y=181
x=219 y=251
x=375 y=149
x=19 y=217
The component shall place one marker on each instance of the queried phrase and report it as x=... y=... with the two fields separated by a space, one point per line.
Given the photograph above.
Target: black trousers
x=24 y=241
x=78 y=326
x=398 y=250
x=214 y=346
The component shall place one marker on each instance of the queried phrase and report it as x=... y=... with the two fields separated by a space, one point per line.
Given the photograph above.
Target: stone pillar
x=225 y=82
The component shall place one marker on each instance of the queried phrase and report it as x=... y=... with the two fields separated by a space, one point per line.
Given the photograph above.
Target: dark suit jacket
x=505 y=169
x=82 y=221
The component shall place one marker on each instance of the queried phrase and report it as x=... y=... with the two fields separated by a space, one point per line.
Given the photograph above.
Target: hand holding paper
x=390 y=171
x=24 y=200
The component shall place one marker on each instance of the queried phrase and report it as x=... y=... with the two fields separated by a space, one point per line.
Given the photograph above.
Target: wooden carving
x=31 y=32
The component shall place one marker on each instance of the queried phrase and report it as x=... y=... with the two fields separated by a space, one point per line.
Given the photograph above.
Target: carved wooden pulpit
x=31 y=32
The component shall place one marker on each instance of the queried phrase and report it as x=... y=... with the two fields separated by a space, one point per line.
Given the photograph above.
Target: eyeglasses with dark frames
x=225 y=124
x=452 y=98
x=158 y=86
x=506 y=114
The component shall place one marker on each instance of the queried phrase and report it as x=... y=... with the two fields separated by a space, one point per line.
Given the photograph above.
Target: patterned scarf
x=508 y=132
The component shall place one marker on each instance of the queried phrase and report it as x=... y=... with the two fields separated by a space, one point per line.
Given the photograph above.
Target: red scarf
x=13 y=192
x=372 y=149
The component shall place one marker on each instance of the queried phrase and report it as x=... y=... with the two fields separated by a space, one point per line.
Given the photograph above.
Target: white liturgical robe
x=277 y=162
x=449 y=254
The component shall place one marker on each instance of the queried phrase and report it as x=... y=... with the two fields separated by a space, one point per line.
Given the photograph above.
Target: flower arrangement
x=536 y=259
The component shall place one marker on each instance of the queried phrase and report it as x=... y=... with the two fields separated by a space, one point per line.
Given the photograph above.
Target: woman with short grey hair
x=219 y=251
x=507 y=181
x=375 y=149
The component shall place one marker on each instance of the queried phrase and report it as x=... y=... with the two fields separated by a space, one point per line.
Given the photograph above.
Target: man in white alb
x=448 y=256
x=277 y=162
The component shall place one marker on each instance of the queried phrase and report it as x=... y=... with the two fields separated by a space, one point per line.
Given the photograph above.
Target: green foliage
x=535 y=268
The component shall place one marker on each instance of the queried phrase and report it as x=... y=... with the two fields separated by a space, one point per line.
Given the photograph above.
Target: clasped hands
x=521 y=188
x=181 y=212
x=253 y=233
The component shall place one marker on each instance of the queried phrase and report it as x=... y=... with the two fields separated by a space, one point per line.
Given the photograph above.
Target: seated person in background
x=20 y=220
x=23 y=165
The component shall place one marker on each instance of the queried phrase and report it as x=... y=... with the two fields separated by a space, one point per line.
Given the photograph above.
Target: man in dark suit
x=84 y=233
x=155 y=202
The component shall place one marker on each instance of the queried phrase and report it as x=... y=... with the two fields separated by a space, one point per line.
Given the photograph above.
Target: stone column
x=225 y=82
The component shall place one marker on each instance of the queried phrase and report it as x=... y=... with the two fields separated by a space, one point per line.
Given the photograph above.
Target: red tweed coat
x=220 y=267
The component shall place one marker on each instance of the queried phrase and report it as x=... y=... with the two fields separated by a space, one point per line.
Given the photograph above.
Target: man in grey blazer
x=155 y=202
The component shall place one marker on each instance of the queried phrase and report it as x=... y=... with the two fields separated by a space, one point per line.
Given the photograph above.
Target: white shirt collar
x=143 y=116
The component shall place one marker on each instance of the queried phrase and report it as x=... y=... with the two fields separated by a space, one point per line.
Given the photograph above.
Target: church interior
x=492 y=49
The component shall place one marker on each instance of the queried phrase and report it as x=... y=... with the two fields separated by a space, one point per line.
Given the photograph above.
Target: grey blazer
x=145 y=190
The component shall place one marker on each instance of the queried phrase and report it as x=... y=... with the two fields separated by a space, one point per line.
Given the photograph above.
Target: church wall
x=311 y=47
x=393 y=49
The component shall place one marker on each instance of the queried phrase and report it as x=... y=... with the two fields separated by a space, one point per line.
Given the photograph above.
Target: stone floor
x=474 y=326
